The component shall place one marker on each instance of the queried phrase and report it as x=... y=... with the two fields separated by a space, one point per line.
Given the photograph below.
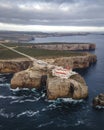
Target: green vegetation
x=7 y=54
x=46 y=53
x=26 y=49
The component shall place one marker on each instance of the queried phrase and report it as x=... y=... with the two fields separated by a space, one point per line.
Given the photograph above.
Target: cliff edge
x=13 y=66
x=66 y=46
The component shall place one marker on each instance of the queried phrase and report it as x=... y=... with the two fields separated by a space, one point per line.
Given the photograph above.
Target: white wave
x=70 y=100
x=33 y=89
x=16 y=101
x=100 y=107
x=5 y=84
x=45 y=124
x=50 y=101
x=22 y=100
x=43 y=95
x=8 y=97
x=27 y=100
x=79 y=122
x=28 y=113
x=6 y=115
x=52 y=106
x=65 y=100
x=44 y=109
x=14 y=90
x=18 y=89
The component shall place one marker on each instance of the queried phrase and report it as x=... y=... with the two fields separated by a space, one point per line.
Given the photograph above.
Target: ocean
x=29 y=109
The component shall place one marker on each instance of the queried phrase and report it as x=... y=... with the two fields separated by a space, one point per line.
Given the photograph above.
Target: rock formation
x=26 y=79
x=66 y=46
x=13 y=66
x=74 y=61
x=98 y=101
x=74 y=87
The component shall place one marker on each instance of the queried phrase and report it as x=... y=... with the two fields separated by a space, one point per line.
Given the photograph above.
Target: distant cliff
x=66 y=46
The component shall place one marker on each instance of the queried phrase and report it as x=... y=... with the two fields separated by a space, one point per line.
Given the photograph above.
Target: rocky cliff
x=66 y=46
x=12 y=66
x=75 y=61
x=38 y=76
x=29 y=78
x=98 y=101
x=74 y=87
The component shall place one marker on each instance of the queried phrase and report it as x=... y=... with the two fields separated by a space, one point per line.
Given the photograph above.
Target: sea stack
x=98 y=101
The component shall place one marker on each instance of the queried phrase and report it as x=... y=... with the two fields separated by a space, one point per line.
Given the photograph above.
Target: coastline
x=7 y=66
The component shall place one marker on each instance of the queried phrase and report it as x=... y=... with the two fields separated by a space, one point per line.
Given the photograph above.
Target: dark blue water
x=29 y=109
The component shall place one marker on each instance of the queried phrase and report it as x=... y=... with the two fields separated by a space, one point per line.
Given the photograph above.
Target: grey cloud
x=55 y=12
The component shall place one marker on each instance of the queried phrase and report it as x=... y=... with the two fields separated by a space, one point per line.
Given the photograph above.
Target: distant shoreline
x=26 y=36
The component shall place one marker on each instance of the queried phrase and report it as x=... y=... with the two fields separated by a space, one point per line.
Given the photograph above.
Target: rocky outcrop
x=74 y=87
x=29 y=78
x=13 y=66
x=74 y=61
x=26 y=79
x=99 y=101
x=66 y=46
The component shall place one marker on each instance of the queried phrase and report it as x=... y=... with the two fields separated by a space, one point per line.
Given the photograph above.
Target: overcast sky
x=52 y=15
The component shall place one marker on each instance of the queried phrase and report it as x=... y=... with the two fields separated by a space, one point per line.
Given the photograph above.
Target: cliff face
x=26 y=79
x=12 y=66
x=74 y=87
x=63 y=46
x=74 y=62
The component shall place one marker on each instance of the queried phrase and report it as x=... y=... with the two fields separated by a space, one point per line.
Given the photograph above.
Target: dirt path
x=12 y=49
